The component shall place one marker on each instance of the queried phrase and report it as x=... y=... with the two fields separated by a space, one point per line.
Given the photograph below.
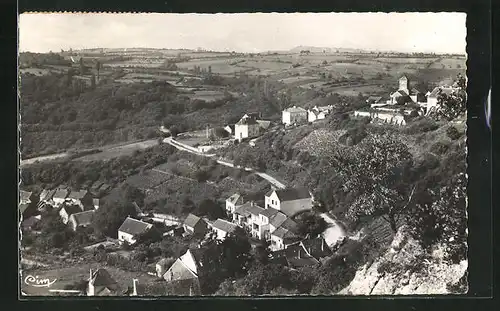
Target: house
x=60 y=196
x=82 y=219
x=102 y=284
x=26 y=197
x=296 y=256
x=389 y=116
x=314 y=115
x=432 y=98
x=282 y=238
x=233 y=202
x=222 y=228
x=317 y=248
x=67 y=210
x=195 y=225
x=230 y=129
x=264 y=229
x=416 y=96
x=264 y=124
x=374 y=100
x=184 y=272
x=242 y=216
x=162 y=266
x=246 y=127
x=294 y=115
x=289 y=201
x=46 y=195
x=131 y=229
x=82 y=198
x=257 y=228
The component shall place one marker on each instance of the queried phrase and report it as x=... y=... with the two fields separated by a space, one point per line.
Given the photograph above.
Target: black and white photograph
x=246 y=154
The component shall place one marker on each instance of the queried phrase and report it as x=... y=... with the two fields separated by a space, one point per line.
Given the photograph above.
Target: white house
x=432 y=98
x=294 y=115
x=102 y=284
x=314 y=115
x=222 y=228
x=263 y=229
x=285 y=235
x=185 y=272
x=289 y=201
x=246 y=127
x=233 y=202
x=131 y=229
x=67 y=210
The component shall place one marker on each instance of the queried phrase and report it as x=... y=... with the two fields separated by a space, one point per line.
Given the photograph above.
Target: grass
x=117 y=151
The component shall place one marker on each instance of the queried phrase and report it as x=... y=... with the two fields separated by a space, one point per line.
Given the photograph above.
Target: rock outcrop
x=406 y=269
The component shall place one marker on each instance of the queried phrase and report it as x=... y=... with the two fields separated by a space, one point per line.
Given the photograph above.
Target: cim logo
x=35 y=281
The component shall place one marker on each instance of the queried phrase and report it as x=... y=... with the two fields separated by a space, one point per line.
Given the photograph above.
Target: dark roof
x=278 y=219
x=247 y=121
x=296 y=256
x=402 y=92
x=224 y=225
x=77 y=195
x=291 y=194
x=254 y=115
x=191 y=220
x=414 y=91
x=290 y=225
x=101 y=277
x=235 y=198
x=134 y=226
x=255 y=209
x=269 y=212
x=83 y=218
x=374 y=98
x=25 y=195
x=243 y=209
x=317 y=247
x=60 y=193
x=71 y=209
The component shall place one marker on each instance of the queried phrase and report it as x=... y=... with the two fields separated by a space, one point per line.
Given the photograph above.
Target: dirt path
x=334 y=232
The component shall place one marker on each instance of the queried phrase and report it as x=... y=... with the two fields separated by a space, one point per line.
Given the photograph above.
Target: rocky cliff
x=406 y=269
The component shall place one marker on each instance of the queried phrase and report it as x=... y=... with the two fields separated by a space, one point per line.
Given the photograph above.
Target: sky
x=249 y=32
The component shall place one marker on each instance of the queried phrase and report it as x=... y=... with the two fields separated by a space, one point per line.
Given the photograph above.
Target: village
x=273 y=224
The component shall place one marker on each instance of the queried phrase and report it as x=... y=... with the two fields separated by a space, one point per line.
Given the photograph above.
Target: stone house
x=294 y=115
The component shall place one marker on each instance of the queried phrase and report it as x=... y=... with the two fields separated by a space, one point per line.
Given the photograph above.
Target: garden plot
x=147 y=180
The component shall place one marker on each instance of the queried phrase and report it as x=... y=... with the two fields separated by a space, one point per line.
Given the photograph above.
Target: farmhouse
x=183 y=274
x=246 y=127
x=222 y=228
x=314 y=115
x=131 y=229
x=82 y=219
x=287 y=234
x=289 y=201
x=242 y=216
x=101 y=284
x=67 y=210
x=195 y=225
x=294 y=115
x=233 y=202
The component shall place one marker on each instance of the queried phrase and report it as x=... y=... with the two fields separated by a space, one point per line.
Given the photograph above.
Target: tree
x=82 y=67
x=111 y=215
x=451 y=106
x=235 y=253
x=92 y=81
x=311 y=224
x=151 y=236
x=209 y=208
x=377 y=171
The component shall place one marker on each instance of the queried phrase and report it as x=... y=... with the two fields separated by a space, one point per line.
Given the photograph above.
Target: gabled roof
x=291 y=194
x=374 y=98
x=295 y=109
x=134 y=227
x=244 y=209
x=60 y=193
x=290 y=225
x=269 y=212
x=46 y=194
x=101 y=277
x=297 y=257
x=264 y=123
x=317 y=247
x=71 y=209
x=25 y=195
x=23 y=207
x=278 y=219
x=235 y=199
x=224 y=225
x=247 y=121
x=179 y=271
x=191 y=220
x=255 y=209
x=83 y=218
x=77 y=195
x=414 y=91
x=286 y=235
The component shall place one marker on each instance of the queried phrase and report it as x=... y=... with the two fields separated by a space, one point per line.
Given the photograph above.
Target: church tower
x=403 y=84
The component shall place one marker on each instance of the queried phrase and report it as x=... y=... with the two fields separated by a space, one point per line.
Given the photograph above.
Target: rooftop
x=291 y=194
x=77 y=195
x=224 y=225
x=191 y=220
x=269 y=212
x=25 y=195
x=235 y=198
x=134 y=227
x=295 y=109
x=60 y=193
x=83 y=218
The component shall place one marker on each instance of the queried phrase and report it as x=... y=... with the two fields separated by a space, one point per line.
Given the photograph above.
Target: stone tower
x=403 y=84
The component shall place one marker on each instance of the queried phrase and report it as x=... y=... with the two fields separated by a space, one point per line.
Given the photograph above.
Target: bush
x=421 y=125
x=453 y=133
x=439 y=148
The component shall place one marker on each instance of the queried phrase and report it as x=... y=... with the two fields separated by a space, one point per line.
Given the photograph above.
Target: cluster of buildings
x=403 y=102
x=75 y=207
x=249 y=126
x=298 y=115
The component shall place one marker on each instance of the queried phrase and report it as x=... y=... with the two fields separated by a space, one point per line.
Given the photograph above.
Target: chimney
x=135 y=281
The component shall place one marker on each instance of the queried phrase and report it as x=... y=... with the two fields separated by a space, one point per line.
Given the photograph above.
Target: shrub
x=421 y=125
x=453 y=133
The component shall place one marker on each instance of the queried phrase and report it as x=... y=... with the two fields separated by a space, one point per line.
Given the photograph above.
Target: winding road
x=192 y=150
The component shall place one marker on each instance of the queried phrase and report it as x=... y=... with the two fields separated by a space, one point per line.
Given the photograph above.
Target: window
x=255 y=226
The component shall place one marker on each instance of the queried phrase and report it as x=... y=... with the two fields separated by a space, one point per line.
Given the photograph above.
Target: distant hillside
x=316 y=49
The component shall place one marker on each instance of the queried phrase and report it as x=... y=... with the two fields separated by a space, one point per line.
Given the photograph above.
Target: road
x=334 y=232
x=192 y=150
x=44 y=158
